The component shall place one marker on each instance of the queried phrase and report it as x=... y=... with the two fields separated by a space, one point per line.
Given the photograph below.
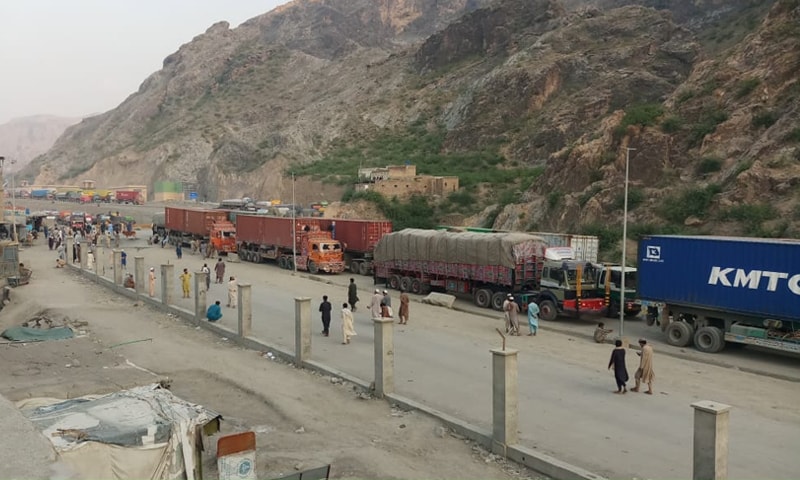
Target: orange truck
x=186 y=224
x=260 y=238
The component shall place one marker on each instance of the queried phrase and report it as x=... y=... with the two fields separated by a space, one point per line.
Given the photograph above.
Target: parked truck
x=713 y=291
x=358 y=239
x=585 y=247
x=261 y=238
x=609 y=284
x=488 y=266
x=129 y=196
x=186 y=224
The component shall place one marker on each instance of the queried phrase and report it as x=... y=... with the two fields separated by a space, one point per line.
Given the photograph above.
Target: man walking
x=645 y=371
x=123 y=260
x=507 y=315
x=375 y=305
x=513 y=311
x=352 y=294
x=185 y=282
x=207 y=271
x=620 y=369
x=347 y=325
x=151 y=278
x=219 y=269
x=325 y=309
x=233 y=293
x=387 y=303
x=403 y=312
x=533 y=318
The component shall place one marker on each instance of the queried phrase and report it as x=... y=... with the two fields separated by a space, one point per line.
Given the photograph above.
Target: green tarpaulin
x=26 y=334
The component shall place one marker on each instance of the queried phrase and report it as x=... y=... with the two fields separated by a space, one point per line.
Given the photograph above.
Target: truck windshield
x=630 y=279
x=331 y=247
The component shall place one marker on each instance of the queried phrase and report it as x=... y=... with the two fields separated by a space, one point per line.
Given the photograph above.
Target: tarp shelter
x=143 y=433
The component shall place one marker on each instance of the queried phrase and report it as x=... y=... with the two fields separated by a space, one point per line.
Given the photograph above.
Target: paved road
x=442 y=360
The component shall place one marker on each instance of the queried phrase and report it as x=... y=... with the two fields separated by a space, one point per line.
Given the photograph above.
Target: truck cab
x=320 y=252
x=223 y=237
x=609 y=283
x=567 y=285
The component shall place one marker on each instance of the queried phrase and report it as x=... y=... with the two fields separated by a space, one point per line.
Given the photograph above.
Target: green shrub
x=635 y=198
x=607 y=236
x=746 y=86
x=553 y=199
x=644 y=115
x=709 y=165
x=750 y=214
x=706 y=126
x=638 y=230
x=685 y=96
x=794 y=135
x=693 y=202
x=671 y=124
x=765 y=119
x=461 y=198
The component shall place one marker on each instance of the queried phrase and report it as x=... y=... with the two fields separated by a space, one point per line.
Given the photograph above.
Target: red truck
x=186 y=224
x=260 y=238
x=488 y=266
x=129 y=196
x=358 y=238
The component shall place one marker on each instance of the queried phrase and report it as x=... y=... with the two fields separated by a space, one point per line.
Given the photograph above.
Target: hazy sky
x=77 y=57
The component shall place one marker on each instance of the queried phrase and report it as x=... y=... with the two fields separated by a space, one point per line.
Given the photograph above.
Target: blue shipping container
x=745 y=275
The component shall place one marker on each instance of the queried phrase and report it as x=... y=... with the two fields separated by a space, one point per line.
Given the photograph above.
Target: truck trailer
x=713 y=291
x=488 y=266
x=263 y=238
x=186 y=224
x=358 y=239
x=129 y=196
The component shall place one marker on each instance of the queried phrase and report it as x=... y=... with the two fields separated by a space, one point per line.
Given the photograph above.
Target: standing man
x=507 y=315
x=123 y=260
x=219 y=269
x=403 y=312
x=185 y=285
x=347 y=325
x=375 y=305
x=233 y=293
x=352 y=295
x=645 y=371
x=325 y=309
x=151 y=279
x=387 y=302
x=533 y=318
x=207 y=271
x=179 y=250
x=513 y=311
x=620 y=370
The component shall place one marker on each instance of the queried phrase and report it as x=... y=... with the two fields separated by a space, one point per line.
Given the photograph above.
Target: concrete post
x=302 y=330
x=200 y=296
x=117 y=267
x=138 y=270
x=84 y=254
x=245 y=311
x=505 y=409
x=384 y=356
x=167 y=279
x=70 y=242
x=711 y=421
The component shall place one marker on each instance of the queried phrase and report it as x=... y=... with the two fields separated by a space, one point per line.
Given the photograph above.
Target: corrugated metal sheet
x=196 y=221
x=266 y=230
x=359 y=236
x=750 y=276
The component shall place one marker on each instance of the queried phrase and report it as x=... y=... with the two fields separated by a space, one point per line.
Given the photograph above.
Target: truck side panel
x=265 y=230
x=195 y=221
x=358 y=236
x=748 y=276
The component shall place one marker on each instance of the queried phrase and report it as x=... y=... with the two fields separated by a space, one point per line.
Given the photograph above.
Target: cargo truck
x=265 y=238
x=488 y=266
x=186 y=224
x=585 y=247
x=609 y=283
x=129 y=196
x=713 y=291
x=358 y=239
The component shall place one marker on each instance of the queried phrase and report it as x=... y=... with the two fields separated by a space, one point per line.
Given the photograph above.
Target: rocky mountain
x=535 y=104
x=23 y=139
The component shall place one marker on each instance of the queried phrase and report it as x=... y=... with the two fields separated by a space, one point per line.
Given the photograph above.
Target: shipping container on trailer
x=712 y=290
x=186 y=224
x=358 y=238
x=266 y=238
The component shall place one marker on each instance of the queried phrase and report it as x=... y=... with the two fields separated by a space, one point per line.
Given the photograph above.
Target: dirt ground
x=302 y=420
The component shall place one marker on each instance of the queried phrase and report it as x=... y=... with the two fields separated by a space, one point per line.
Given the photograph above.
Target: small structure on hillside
x=402 y=181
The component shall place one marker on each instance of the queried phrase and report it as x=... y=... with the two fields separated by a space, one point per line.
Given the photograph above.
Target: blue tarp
x=27 y=334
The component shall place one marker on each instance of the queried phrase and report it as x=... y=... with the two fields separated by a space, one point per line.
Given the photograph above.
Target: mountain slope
x=22 y=139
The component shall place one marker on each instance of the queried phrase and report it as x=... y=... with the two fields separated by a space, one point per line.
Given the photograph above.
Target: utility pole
x=294 y=229
x=624 y=244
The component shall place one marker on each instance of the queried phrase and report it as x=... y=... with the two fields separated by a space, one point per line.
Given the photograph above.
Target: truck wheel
x=483 y=298
x=548 y=310
x=394 y=282
x=312 y=267
x=405 y=283
x=354 y=266
x=679 y=334
x=709 y=339
x=289 y=263
x=497 y=300
x=416 y=286
x=282 y=262
x=363 y=269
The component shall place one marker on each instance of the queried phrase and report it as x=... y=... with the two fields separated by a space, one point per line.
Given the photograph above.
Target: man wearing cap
x=387 y=303
x=375 y=305
x=645 y=371
x=506 y=315
x=151 y=278
x=513 y=310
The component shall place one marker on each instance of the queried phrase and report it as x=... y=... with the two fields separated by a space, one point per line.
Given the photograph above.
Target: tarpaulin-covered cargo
x=144 y=432
x=484 y=249
x=585 y=247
